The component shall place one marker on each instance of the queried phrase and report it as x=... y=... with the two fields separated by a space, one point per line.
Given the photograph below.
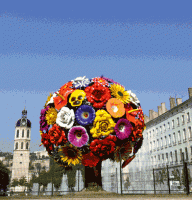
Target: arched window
x=27 y=145
x=16 y=145
x=22 y=133
x=21 y=145
x=27 y=133
x=17 y=133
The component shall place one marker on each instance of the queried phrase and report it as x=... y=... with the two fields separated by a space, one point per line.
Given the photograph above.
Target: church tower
x=21 y=150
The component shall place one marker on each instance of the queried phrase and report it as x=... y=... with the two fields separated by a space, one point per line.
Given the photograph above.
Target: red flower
x=45 y=139
x=97 y=94
x=138 y=129
x=100 y=81
x=57 y=136
x=90 y=160
x=103 y=148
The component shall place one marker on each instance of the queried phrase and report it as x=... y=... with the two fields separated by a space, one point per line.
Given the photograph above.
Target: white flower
x=80 y=82
x=51 y=100
x=65 y=118
x=133 y=98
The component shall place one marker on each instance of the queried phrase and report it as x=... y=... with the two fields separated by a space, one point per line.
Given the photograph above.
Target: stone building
x=168 y=134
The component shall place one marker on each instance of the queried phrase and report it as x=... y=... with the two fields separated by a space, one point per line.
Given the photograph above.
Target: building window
x=169 y=139
x=168 y=125
x=21 y=145
x=179 y=136
x=164 y=129
x=175 y=155
x=186 y=154
x=17 y=133
x=165 y=141
x=174 y=139
x=171 y=157
x=153 y=133
x=154 y=144
x=16 y=145
x=22 y=133
x=157 y=143
x=190 y=132
x=160 y=129
x=163 y=157
x=173 y=126
x=180 y=155
x=184 y=134
x=191 y=150
x=27 y=133
x=177 y=121
x=156 y=131
x=188 y=117
x=183 y=119
x=27 y=145
x=166 y=157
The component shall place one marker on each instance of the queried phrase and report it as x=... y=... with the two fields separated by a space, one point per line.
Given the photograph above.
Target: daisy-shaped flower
x=103 y=124
x=133 y=98
x=100 y=81
x=70 y=154
x=51 y=116
x=80 y=82
x=78 y=136
x=119 y=92
x=65 y=118
x=125 y=149
x=123 y=129
x=84 y=115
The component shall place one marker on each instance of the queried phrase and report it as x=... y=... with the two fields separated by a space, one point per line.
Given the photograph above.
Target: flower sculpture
x=90 y=120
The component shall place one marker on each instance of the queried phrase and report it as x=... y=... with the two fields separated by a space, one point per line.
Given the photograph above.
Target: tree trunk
x=93 y=175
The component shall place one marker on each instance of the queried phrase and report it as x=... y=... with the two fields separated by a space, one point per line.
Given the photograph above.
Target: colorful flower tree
x=90 y=120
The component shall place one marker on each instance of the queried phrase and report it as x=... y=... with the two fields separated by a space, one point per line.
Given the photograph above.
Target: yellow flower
x=119 y=92
x=103 y=124
x=51 y=116
x=48 y=99
x=71 y=154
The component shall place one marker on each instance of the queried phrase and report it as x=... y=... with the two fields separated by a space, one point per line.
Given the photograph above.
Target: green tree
x=162 y=176
x=43 y=179
x=4 y=176
x=127 y=183
x=15 y=182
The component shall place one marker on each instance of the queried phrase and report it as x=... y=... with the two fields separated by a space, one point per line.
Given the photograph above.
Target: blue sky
x=144 y=45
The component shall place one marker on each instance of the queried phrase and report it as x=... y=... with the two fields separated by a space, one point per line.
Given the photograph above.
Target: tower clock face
x=23 y=122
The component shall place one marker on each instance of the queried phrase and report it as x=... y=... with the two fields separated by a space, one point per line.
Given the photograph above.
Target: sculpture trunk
x=93 y=175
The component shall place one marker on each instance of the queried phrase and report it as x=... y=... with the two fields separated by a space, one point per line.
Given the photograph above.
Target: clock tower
x=21 y=150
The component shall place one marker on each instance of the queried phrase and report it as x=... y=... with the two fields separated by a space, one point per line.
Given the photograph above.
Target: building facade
x=168 y=134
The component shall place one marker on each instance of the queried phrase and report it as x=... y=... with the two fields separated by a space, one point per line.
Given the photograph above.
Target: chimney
x=146 y=118
x=150 y=114
x=172 y=102
x=179 y=101
x=190 y=92
x=159 y=110
x=164 y=109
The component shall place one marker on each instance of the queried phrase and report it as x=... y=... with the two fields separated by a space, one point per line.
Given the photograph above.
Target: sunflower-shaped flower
x=123 y=129
x=51 y=116
x=84 y=115
x=103 y=124
x=125 y=149
x=70 y=154
x=119 y=92
x=78 y=136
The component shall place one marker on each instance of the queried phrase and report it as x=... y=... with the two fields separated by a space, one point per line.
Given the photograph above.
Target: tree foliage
x=4 y=176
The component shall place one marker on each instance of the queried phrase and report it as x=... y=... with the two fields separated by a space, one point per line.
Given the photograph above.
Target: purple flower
x=85 y=114
x=78 y=136
x=123 y=129
x=43 y=123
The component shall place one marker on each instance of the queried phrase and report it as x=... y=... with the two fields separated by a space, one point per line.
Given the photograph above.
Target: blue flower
x=84 y=115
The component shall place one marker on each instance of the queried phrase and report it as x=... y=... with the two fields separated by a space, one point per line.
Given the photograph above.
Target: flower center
x=78 y=134
x=122 y=150
x=114 y=108
x=98 y=94
x=104 y=126
x=120 y=93
x=85 y=115
x=71 y=153
x=121 y=127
